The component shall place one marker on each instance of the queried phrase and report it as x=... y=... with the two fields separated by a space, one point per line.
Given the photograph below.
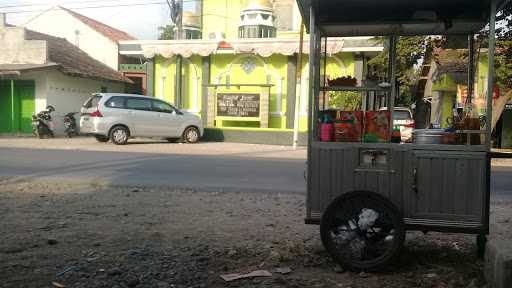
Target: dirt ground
x=56 y=235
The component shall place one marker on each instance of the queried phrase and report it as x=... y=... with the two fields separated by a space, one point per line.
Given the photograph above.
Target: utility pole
x=179 y=20
x=298 y=89
x=179 y=58
x=177 y=17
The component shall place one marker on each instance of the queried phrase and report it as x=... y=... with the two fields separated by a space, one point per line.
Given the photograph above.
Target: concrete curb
x=498 y=263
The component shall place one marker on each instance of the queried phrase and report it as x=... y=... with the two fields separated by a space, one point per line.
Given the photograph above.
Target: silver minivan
x=118 y=117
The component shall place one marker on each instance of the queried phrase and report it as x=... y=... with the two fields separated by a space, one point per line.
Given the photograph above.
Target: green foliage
x=503 y=63
x=503 y=57
x=409 y=50
x=503 y=52
x=166 y=32
x=345 y=100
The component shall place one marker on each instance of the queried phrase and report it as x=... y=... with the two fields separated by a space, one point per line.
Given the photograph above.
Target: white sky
x=141 y=22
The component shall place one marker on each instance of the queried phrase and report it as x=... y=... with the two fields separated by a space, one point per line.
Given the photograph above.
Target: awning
x=13 y=71
x=262 y=47
x=287 y=47
x=170 y=48
x=402 y=17
x=25 y=67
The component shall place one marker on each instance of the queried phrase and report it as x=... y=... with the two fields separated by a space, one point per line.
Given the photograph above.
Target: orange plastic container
x=377 y=127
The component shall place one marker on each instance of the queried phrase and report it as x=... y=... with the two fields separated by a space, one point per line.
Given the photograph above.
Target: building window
x=192 y=34
x=257 y=31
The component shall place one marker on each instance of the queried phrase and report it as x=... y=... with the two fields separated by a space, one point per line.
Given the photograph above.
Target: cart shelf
x=398 y=146
x=354 y=88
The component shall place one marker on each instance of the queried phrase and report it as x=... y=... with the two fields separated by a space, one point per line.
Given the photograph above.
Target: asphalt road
x=201 y=172
x=501 y=181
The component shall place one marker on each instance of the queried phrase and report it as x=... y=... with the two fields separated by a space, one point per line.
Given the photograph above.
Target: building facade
x=37 y=70
x=247 y=50
x=97 y=39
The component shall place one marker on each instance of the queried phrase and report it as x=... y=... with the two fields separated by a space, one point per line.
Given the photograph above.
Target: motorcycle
x=42 y=124
x=70 y=124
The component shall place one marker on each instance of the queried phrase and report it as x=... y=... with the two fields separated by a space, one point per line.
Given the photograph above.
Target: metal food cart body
x=434 y=187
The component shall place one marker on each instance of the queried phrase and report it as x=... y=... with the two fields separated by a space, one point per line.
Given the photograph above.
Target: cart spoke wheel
x=362 y=231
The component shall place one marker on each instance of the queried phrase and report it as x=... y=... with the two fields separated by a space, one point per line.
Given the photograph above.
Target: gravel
x=164 y=237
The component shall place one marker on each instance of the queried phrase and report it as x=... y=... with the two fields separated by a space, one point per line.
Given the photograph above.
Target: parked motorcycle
x=42 y=124
x=70 y=124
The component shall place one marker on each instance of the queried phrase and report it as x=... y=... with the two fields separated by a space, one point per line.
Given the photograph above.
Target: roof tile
x=107 y=31
x=74 y=61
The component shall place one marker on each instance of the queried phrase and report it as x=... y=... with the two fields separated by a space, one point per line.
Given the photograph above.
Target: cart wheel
x=363 y=231
x=481 y=240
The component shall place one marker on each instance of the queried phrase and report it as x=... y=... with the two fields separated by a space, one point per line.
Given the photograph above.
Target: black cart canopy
x=400 y=17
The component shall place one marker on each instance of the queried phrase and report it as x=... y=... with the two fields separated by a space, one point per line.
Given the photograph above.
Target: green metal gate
x=17 y=104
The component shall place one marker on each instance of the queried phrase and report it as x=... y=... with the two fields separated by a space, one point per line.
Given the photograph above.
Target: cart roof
x=402 y=17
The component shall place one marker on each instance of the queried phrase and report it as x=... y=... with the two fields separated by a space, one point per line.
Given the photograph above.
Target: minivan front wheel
x=119 y=135
x=191 y=135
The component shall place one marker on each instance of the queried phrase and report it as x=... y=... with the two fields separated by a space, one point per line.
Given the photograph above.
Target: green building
x=446 y=89
x=240 y=73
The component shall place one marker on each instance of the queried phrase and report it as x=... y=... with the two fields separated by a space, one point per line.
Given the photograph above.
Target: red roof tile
x=107 y=31
x=73 y=61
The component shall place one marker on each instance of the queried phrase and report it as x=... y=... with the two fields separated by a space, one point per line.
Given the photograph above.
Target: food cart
x=366 y=192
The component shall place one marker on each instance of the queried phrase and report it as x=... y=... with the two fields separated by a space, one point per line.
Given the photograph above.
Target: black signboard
x=238 y=105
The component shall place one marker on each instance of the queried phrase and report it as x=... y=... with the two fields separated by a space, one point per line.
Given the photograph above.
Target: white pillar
x=161 y=95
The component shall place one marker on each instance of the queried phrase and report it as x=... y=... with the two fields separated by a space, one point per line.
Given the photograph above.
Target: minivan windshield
x=92 y=102
x=401 y=115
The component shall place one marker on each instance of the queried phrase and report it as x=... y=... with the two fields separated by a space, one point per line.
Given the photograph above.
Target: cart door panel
x=448 y=186
x=386 y=179
x=336 y=169
x=331 y=175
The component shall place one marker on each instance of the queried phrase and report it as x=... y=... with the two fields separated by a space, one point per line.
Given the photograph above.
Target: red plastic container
x=326 y=132
x=348 y=126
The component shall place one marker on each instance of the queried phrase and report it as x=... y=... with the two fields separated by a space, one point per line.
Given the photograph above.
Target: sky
x=140 y=21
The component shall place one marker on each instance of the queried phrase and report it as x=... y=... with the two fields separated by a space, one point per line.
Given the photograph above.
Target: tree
x=345 y=100
x=166 y=32
x=409 y=50
x=503 y=57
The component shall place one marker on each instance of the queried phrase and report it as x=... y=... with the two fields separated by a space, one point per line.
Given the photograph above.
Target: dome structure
x=257 y=20
x=264 y=5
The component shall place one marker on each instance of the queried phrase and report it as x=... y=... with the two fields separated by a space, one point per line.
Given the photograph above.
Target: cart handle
x=415 y=180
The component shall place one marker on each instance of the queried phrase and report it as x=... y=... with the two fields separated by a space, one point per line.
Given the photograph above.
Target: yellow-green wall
x=223 y=66
x=222 y=16
x=341 y=64
x=192 y=72
x=448 y=87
